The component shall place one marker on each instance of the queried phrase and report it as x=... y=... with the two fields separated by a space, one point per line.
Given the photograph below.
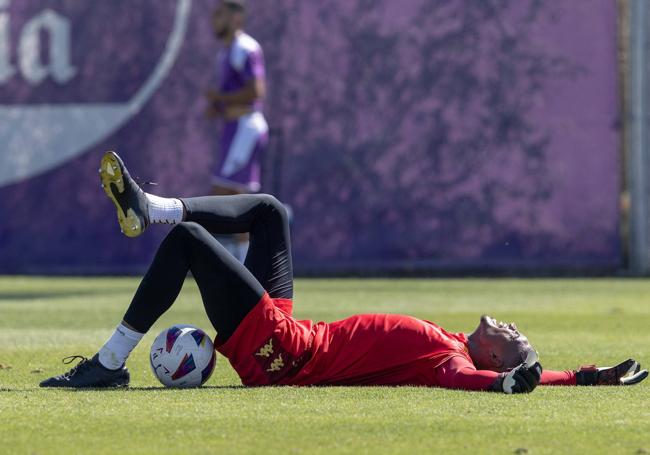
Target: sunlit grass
x=570 y=322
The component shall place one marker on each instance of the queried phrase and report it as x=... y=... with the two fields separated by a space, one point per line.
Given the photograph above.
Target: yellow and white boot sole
x=112 y=178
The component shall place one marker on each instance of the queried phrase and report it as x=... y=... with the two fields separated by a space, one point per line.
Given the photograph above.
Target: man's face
x=222 y=21
x=502 y=341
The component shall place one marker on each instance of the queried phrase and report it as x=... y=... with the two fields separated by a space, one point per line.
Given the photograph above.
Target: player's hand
x=523 y=378
x=625 y=373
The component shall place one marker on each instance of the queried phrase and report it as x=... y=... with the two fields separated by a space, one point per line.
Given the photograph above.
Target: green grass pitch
x=570 y=322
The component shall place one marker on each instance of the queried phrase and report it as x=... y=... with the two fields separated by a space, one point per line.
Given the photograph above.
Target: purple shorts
x=242 y=146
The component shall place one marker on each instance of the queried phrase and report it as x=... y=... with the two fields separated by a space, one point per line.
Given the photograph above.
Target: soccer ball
x=182 y=356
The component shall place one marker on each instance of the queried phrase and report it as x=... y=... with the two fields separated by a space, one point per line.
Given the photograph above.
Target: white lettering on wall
x=7 y=71
x=59 y=66
x=30 y=62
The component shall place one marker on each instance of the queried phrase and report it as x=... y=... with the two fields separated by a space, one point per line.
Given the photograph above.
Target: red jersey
x=271 y=347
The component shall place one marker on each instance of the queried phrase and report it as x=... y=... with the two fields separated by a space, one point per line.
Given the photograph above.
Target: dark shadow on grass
x=6 y=297
x=123 y=389
x=168 y=389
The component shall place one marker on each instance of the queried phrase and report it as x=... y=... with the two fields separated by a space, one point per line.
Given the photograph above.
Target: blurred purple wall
x=413 y=134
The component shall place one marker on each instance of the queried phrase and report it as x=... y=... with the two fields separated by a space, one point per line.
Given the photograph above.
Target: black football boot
x=89 y=373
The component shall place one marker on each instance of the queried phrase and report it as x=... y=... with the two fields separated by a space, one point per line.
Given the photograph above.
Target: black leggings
x=229 y=289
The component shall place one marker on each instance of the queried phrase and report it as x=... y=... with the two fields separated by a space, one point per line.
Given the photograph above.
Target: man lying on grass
x=251 y=309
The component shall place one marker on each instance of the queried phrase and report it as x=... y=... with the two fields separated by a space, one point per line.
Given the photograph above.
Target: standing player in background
x=238 y=102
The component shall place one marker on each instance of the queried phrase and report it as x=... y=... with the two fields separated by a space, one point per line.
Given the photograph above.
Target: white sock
x=229 y=243
x=164 y=210
x=242 y=250
x=118 y=347
x=234 y=246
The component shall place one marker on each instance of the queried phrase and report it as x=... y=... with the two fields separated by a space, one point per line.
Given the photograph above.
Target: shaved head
x=497 y=346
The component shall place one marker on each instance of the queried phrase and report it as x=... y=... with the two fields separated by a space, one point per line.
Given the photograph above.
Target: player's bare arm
x=233 y=105
x=254 y=90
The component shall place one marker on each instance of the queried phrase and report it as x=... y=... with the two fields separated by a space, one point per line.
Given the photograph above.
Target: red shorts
x=268 y=346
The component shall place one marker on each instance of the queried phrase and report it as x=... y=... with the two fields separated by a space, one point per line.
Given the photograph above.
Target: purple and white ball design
x=182 y=356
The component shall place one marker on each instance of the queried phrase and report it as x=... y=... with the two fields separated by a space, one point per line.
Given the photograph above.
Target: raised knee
x=268 y=199
x=185 y=229
x=273 y=204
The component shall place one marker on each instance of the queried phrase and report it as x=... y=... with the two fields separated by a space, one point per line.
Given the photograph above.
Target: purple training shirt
x=240 y=63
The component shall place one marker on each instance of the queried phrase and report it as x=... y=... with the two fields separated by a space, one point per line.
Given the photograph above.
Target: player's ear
x=496 y=361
